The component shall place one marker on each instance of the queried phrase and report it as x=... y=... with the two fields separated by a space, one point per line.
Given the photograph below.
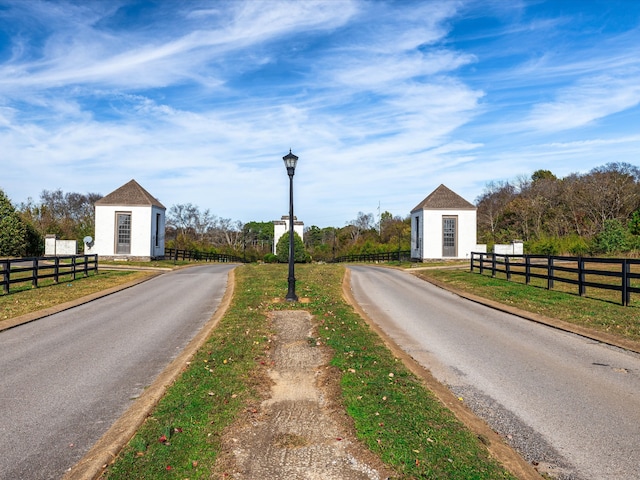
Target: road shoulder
x=603 y=337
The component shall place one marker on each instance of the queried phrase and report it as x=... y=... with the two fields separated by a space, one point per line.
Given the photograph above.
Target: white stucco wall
x=143 y=231
x=281 y=227
x=430 y=230
x=514 y=248
x=55 y=247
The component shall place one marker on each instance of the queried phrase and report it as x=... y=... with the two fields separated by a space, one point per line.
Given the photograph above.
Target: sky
x=382 y=101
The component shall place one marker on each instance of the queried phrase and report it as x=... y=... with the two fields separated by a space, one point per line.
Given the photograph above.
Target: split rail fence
x=176 y=254
x=618 y=274
x=398 y=256
x=34 y=270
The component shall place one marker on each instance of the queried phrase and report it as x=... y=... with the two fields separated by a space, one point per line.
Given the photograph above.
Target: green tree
x=13 y=231
x=634 y=223
x=612 y=238
x=299 y=253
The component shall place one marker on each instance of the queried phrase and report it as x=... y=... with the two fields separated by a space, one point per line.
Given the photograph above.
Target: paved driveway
x=66 y=378
x=567 y=403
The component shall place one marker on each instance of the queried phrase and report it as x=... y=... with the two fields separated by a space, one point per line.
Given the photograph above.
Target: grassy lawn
x=26 y=299
x=394 y=415
x=599 y=309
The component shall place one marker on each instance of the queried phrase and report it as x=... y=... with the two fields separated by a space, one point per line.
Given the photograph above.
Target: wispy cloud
x=589 y=100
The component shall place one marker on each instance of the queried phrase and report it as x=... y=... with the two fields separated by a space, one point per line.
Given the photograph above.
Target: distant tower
x=281 y=227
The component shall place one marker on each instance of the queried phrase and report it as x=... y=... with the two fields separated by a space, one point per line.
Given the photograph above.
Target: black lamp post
x=290 y=161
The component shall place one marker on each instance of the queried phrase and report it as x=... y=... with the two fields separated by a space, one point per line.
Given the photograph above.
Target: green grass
x=25 y=299
x=600 y=310
x=394 y=415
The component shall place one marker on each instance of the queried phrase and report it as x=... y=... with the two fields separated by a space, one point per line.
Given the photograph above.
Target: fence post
x=56 y=270
x=6 y=275
x=549 y=272
x=507 y=267
x=582 y=288
x=527 y=269
x=34 y=273
x=493 y=265
x=73 y=263
x=626 y=294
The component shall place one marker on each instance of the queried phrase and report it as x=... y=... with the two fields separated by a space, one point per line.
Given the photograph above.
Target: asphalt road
x=569 y=404
x=66 y=378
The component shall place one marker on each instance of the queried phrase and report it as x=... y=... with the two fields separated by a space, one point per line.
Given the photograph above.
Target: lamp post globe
x=290 y=161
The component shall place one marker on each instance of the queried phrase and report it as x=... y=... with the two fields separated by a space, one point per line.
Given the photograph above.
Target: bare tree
x=492 y=205
x=70 y=215
x=362 y=223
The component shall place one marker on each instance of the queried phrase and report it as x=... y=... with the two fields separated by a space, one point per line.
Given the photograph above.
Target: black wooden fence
x=398 y=256
x=579 y=271
x=33 y=270
x=176 y=254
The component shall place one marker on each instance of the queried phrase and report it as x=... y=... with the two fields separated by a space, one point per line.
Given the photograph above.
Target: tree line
x=71 y=216
x=582 y=213
x=190 y=228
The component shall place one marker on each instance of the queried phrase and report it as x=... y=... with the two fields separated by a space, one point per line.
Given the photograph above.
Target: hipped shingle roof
x=129 y=195
x=444 y=198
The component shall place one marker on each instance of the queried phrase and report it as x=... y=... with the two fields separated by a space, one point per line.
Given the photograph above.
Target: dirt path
x=300 y=431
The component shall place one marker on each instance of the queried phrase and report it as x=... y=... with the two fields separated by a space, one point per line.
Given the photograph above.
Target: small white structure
x=281 y=227
x=130 y=225
x=516 y=247
x=54 y=247
x=443 y=226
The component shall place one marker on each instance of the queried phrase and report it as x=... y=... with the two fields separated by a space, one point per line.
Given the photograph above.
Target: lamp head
x=290 y=161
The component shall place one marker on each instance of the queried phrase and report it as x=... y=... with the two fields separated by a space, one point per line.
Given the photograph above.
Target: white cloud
x=589 y=100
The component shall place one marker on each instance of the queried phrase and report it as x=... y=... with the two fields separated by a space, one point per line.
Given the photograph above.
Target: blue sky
x=382 y=100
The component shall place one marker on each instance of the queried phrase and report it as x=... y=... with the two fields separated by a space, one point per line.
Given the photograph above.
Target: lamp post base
x=291 y=294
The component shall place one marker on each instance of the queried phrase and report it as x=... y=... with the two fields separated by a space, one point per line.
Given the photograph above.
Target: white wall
x=143 y=230
x=281 y=227
x=431 y=231
x=513 y=248
x=55 y=247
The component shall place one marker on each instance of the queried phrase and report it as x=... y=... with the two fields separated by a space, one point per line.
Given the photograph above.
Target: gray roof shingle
x=129 y=195
x=444 y=198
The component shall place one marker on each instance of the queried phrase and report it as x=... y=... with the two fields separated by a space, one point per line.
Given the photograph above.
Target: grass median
x=404 y=424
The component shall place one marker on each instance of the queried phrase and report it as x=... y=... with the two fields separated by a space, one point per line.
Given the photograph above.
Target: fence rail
x=176 y=254
x=398 y=255
x=34 y=269
x=579 y=271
